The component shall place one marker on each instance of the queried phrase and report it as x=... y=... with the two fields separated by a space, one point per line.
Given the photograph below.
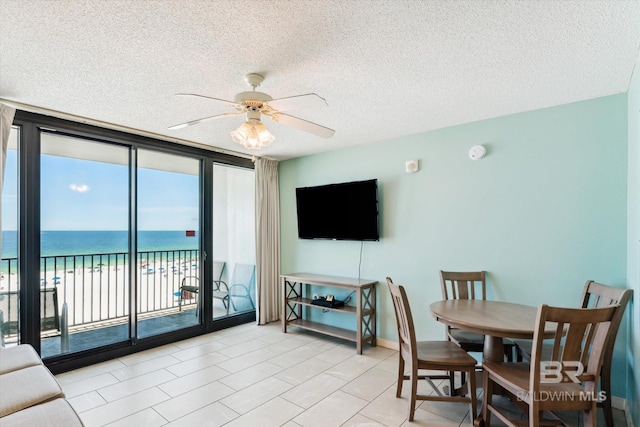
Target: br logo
x=556 y=372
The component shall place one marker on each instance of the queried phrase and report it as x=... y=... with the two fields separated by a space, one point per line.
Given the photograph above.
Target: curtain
x=6 y=120
x=267 y=241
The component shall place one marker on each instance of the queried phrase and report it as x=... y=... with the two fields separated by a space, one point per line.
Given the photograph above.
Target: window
x=9 y=274
x=234 y=244
x=112 y=224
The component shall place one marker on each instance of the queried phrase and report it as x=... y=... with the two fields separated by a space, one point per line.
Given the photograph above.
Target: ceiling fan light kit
x=252 y=134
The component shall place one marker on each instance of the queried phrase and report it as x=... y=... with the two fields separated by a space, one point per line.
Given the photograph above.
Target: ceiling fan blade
x=231 y=103
x=310 y=100
x=304 y=125
x=204 y=119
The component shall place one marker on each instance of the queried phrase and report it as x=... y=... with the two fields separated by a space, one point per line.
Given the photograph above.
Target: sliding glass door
x=86 y=274
x=112 y=241
x=233 y=234
x=169 y=267
x=84 y=244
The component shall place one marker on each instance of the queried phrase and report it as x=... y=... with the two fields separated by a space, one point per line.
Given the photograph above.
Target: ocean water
x=101 y=242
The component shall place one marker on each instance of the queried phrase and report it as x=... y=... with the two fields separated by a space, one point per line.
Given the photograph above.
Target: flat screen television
x=345 y=211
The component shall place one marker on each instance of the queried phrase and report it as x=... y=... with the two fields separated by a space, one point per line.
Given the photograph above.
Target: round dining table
x=493 y=319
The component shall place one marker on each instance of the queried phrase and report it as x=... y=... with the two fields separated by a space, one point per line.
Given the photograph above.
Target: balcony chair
x=468 y=285
x=9 y=312
x=581 y=335
x=220 y=288
x=594 y=295
x=190 y=287
x=241 y=286
x=49 y=309
x=9 y=315
x=433 y=355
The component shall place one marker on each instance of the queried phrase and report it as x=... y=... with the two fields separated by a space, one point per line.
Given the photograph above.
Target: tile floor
x=254 y=376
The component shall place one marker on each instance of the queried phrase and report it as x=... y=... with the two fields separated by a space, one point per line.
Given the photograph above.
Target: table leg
x=493 y=349
x=359 y=321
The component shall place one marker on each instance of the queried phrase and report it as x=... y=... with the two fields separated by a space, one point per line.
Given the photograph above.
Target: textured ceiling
x=386 y=68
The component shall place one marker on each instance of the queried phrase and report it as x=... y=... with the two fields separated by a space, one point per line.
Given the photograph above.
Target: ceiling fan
x=252 y=133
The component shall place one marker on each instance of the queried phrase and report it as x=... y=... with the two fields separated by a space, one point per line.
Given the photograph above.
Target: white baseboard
x=619 y=403
x=623 y=405
x=616 y=402
x=393 y=345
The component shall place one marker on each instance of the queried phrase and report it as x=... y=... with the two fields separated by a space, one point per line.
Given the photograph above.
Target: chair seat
x=525 y=347
x=445 y=353
x=461 y=336
x=516 y=376
x=471 y=341
x=518 y=373
x=221 y=294
x=190 y=288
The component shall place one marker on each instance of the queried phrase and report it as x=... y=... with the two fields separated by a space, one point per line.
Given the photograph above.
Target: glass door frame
x=29 y=254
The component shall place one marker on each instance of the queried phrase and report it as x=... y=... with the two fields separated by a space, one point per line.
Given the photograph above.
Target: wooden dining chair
x=468 y=285
x=564 y=379
x=416 y=355
x=595 y=295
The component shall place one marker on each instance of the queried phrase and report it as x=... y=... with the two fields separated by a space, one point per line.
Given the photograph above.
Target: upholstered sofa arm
x=30 y=393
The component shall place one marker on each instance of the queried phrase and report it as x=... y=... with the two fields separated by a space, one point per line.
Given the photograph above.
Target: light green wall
x=542 y=213
x=633 y=245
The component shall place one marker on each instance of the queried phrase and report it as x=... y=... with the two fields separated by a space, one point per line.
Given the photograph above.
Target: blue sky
x=88 y=195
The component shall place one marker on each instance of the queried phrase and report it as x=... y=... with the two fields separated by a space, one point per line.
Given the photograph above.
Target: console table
x=296 y=297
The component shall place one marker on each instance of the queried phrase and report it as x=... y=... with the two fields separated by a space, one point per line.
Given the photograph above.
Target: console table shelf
x=295 y=287
x=324 y=329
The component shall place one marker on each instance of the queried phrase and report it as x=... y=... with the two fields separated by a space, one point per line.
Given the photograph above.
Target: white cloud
x=79 y=188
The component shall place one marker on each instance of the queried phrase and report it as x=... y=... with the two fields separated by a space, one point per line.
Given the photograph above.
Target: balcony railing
x=95 y=287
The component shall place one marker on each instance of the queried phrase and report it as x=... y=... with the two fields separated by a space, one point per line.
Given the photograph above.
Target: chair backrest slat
x=463 y=289
x=462 y=284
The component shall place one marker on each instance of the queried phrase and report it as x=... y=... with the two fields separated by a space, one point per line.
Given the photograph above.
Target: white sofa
x=29 y=394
